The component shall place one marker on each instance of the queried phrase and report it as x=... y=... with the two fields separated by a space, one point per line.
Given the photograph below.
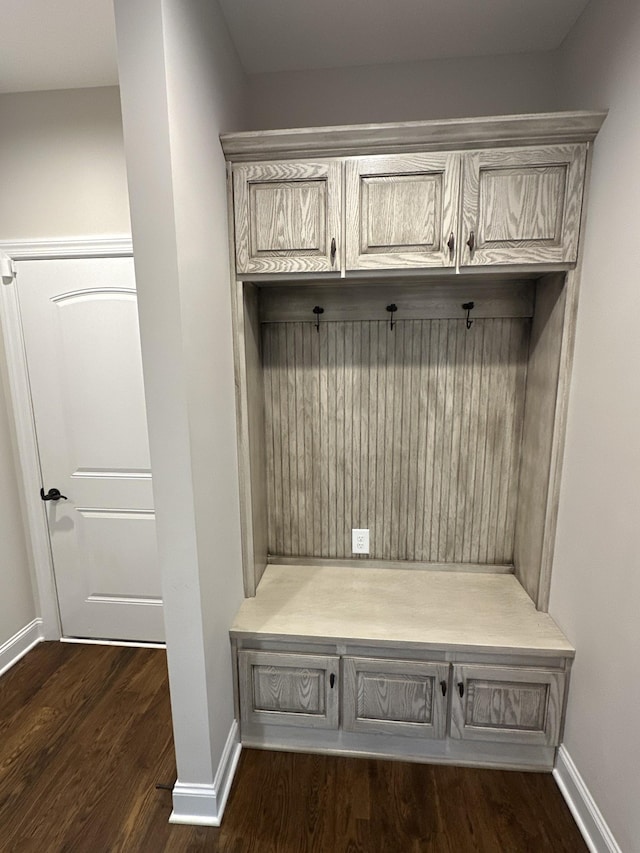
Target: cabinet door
x=287 y=217
x=289 y=689
x=495 y=703
x=395 y=697
x=401 y=211
x=522 y=205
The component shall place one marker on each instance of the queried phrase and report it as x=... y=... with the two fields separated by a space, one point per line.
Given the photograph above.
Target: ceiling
x=57 y=44
x=61 y=44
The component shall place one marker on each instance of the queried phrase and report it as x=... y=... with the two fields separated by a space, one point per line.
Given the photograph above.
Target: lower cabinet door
x=395 y=697
x=496 y=703
x=289 y=689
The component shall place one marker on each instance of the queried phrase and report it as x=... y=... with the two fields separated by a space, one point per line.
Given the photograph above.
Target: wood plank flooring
x=85 y=736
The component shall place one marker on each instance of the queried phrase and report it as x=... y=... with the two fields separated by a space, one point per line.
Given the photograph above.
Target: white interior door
x=82 y=343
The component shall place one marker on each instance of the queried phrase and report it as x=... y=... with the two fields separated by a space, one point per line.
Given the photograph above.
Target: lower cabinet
x=444 y=702
x=395 y=697
x=289 y=689
x=512 y=705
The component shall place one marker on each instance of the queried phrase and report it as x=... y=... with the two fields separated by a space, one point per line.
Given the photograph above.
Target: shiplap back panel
x=413 y=433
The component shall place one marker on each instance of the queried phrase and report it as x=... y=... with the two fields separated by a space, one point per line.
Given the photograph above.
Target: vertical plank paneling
x=267 y=370
x=413 y=432
x=478 y=506
x=395 y=447
x=299 y=540
x=348 y=431
x=441 y=435
x=297 y=449
x=286 y=445
x=314 y=380
x=330 y=420
x=324 y=450
x=377 y=416
x=423 y=337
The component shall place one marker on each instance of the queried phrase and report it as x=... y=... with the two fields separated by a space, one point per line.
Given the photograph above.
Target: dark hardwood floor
x=85 y=736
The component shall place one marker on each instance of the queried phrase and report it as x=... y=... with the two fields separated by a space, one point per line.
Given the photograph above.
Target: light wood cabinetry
x=289 y=689
x=395 y=697
x=522 y=205
x=411 y=698
x=288 y=217
x=449 y=209
x=440 y=666
x=507 y=704
x=404 y=313
x=402 y=211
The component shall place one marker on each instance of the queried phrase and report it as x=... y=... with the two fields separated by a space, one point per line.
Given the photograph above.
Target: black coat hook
x=468 y=306
x=392 y=310
x=318 y=311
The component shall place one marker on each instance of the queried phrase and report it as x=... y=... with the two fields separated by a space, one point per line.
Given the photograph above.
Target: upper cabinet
x=288 y=217
x=522 y=205
x=447 y=195
x=402 y=211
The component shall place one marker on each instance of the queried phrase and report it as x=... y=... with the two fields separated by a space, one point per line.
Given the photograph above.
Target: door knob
x=52 y=495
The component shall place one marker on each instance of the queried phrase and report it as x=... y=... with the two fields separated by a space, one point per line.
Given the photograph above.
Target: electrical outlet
x=360 y=541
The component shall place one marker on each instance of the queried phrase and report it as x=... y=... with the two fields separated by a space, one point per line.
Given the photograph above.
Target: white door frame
x=21 y=404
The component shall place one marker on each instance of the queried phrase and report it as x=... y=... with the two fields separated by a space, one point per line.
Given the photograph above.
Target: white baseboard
x=17 y=646
x=587 y=815
x=130 y=644
x=204 y=804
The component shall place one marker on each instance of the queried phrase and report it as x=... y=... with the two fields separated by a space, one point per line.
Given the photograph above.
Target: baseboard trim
x=204 y=804
x=17 y=646
x=587 y=815
x=134 y=644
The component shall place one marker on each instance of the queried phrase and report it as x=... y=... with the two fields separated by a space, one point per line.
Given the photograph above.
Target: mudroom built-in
x=404 y=311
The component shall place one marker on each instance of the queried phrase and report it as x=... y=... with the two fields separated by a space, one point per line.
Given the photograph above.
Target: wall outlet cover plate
x=360 y=541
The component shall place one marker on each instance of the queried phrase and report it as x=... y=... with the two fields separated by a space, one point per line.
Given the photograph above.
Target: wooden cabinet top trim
x=451 y=611
x=441 y=135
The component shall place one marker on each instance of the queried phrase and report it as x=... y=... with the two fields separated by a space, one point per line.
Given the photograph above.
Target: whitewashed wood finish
x=538 y=432
x=440 y=135
x=289 y=689
x=523 y=205
x=432 y=300
x=507 y=704
x=366 y=563
x=459 y=753
x=245 y=480
x=401 y=211
x=395 y=697
x=572 y=282
x=256 y=433
x=240 y=309
x=452 y=611
x=413 y=433
x=286 y=215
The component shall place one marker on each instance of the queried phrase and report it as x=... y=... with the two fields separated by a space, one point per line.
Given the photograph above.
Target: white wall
x=595 y=594
x=444 y=88
x=62 y=167
x=16 y=597
x=181 y=86
x=62 y=174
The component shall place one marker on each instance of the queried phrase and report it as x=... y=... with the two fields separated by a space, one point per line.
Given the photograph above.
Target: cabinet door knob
x=333 y=250
x=332 y=680
x=461 y=688
x=451 y=243
x=471 y=242
x=443 y=687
